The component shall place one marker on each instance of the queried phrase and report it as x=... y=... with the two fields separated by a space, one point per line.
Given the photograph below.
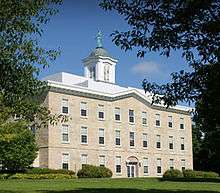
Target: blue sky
x=74 y=30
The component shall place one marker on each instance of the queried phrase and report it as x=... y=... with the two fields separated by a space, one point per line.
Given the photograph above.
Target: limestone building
x=112 y=126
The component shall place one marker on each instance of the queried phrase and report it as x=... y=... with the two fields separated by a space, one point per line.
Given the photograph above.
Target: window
x=101 y=112
x=145 y=165
x=118 y=165
x=182 y=144
x=117 y=137
x=131 y=139
x=102 y=160
x=65 y=106
x=157 y=120
x=65 y=161
x=84 y=135
x=171 y=164
x=181 y=123
x=158 y=145
x=170 y=121
x=83 y=159
x=144 y=140
x=159 y=169
x=65 y=134
x=131 y=116
x=183 y=164
x=144 y=118
x=83 y=109
x=101 y=136
x=170 y=142
x=117 y=114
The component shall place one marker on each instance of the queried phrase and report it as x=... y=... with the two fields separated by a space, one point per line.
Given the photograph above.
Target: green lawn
x=106 y=186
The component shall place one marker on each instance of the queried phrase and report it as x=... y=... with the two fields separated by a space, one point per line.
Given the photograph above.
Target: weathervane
x=99 y=39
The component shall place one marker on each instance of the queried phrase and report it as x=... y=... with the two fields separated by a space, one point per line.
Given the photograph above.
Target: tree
x=193 y=27
x=21 y=58
x=17 y=146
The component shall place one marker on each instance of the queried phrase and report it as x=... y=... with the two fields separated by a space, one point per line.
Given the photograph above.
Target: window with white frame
x=171 y=141
x=117 y=137
x=170 y=121
x=117 y=114
x=101 y=112
x=65 y=161
x=183 y=164
x=181 y=123
x=144 y=135
x=145 y=166
x=84 y=159
x=182 y=143
x=157 y=120
x=131 y=116
x=171 y=164
x=158 y=144
x=159 y=166
x=84 y=135
x=132 y=138
x=102 y=160
x=65 y=134
x=144 y=118
x=65 y=106
x=101 y=136
x=118 y=164
x=83 y=109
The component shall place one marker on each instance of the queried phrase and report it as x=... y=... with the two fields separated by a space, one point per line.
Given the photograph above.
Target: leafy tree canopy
x=21 y=58
x=193 y=27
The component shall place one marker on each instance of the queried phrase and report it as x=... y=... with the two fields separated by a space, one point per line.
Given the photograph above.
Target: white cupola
x=99 y=65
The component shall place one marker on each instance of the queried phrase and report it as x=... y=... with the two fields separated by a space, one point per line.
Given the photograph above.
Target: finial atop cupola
x=99 y=39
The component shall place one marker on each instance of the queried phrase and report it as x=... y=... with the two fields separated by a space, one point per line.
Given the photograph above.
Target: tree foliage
x=193 y=27
x=17 y=146
x=21 y=58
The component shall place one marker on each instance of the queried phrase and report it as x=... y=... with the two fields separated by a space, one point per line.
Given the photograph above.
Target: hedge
x=173 y=173
x=90 y=171
x=48 y=171
x=40 y=176
x=199 y=174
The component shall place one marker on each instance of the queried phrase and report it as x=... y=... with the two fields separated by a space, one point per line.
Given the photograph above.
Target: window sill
x=86 y=144
x=118 y=174
x=84 y=117
x=118 y=146
x=101 y=145
x=64 y=142
x=99 y=119
x=117 y=121
x=133 y=147
x=158 y=126
x=131 y=123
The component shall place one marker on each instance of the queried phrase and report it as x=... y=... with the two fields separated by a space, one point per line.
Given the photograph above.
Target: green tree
x=21 y=58
x=193 y=27
x=17 y=146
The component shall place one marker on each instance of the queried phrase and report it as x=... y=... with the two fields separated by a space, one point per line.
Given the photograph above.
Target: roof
x=80 y=85
x=100 y=51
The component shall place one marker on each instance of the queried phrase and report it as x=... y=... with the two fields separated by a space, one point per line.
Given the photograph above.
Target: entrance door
x=131 y=170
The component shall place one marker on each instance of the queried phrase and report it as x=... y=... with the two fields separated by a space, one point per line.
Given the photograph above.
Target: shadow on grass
x=118 y=190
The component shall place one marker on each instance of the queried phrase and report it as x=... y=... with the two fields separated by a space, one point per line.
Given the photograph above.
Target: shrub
x=40 y=176
x=90 y=171
x=199 y=174
x=48 y=171
x=173 y=173
x=4 y=176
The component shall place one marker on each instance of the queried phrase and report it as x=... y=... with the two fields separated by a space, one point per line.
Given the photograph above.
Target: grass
x=138 y=185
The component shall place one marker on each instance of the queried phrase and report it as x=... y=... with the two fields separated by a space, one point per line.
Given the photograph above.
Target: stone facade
x=52 y=147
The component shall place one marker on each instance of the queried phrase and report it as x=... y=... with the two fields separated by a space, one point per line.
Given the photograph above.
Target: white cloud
x=146 y=68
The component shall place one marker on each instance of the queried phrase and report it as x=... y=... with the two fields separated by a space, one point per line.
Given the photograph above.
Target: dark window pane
x=171 y=168
x=132 y=143
x=83 y=138
x=182 y=147
x=65 y=110
x=131 y=119
x=157 y=123
x=144 y=143
x=118 y=168
x=65 y=137
x=117 y=141
x=101 y=140
x=181 y=126
x=65 y=166
x=117 y=117
x=102 y=165
x=170 y=124
x=145 y=169
x=158 y=144
x=158 y=169
x=83 y=112
x=144 y=121
x=101 y=115
x=171 y=145
x=183 y=168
